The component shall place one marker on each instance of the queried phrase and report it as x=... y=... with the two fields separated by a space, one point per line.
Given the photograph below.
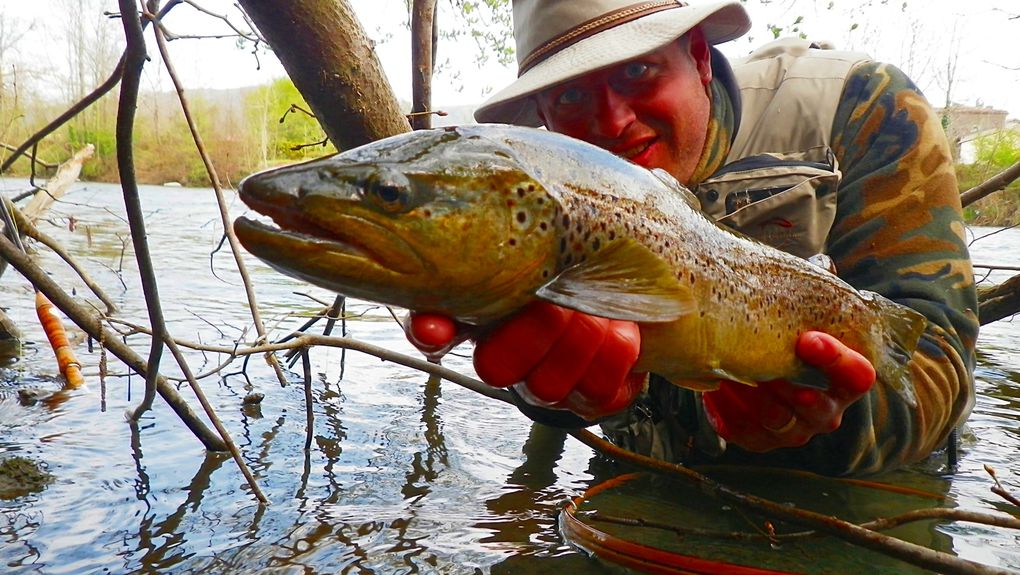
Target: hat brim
x=721 y=21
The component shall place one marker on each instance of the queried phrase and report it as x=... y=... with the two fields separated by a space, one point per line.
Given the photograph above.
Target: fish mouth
x=321 y=250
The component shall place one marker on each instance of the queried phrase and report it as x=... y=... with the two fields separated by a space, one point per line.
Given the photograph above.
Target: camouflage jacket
x=886 y=209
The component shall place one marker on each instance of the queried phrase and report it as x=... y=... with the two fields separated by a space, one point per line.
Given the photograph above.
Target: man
x=810 y=150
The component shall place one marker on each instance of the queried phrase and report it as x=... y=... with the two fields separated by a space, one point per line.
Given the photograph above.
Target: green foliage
x=280 y=121
x=999 y=150
x=489 y=23
x=105 y=141
x=994 y=153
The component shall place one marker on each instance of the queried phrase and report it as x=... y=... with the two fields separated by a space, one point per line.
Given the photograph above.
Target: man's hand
x=780 y=414
x=555 y=357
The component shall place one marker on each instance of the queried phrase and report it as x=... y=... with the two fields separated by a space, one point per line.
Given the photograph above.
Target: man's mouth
x=634 y=150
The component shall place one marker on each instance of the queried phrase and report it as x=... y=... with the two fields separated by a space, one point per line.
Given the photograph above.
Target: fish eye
x=387 y=193
x=388 y=189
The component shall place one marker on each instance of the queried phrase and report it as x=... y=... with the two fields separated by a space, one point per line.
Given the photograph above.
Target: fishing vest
x=779 y=182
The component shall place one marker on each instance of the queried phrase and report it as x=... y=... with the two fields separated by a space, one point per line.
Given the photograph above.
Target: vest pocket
x=785 y=200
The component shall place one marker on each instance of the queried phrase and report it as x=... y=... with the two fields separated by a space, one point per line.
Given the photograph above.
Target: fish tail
x=901 y=329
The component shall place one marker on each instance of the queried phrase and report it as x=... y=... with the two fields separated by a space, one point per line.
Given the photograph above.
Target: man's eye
x=635 y=70
x=569 y=96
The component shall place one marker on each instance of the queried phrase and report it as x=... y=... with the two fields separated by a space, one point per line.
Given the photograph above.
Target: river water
x=403 y=476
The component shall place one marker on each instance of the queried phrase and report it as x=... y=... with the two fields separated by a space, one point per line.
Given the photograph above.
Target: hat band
x=594 y=26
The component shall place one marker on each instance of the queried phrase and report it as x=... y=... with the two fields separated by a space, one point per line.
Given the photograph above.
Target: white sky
x=918 y=35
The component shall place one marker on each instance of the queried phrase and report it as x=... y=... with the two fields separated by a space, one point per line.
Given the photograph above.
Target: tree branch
x=221 y=202
x=90 y=322
x=134 y=60
x=991 y=185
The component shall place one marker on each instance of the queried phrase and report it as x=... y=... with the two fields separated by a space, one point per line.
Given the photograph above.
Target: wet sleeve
x=899 y=232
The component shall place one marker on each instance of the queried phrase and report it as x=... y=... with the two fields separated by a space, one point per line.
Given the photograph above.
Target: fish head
x=436 y=221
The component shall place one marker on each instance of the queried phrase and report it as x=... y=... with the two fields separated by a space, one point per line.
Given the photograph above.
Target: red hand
x=780 y=414
x=565 y=359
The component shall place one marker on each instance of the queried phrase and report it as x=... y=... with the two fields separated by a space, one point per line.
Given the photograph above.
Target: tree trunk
x=423 y=59
x=326 y=53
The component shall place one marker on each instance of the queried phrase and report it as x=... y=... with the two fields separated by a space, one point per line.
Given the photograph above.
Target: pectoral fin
x=624 y=280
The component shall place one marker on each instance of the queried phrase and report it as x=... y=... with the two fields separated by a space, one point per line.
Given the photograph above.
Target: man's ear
x=698 y=48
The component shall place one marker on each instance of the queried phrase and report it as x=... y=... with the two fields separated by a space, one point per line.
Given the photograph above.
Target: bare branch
x=993 y=184
x=221 y=201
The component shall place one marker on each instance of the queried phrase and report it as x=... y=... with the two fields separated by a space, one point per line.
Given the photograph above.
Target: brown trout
x=476 y=221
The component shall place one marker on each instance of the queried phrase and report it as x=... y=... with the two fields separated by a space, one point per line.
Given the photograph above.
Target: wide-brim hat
x=558 y=40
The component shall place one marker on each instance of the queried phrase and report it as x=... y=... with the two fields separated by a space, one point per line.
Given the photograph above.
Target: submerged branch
x=856 y=534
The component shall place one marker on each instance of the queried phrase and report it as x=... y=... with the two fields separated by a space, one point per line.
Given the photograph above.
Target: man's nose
x=612 y=114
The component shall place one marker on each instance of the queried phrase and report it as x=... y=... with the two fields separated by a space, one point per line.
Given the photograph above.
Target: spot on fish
x=513 y=241
x=543 y=226
x=522 y=217
x=520 y=192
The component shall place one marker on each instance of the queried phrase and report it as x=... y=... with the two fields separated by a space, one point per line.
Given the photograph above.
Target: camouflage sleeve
x=899 y=232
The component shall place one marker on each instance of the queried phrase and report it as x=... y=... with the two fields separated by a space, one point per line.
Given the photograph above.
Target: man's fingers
x=607 y=371
x=568 y=358
x=849 y=372
x=513 y=349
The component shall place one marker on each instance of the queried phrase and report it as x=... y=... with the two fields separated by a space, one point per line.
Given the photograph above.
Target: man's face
x=652 y=110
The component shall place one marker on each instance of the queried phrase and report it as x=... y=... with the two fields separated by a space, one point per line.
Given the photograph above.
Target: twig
x=217 y=423
x=71 y=112
x=134 y=60
x=905 y=551
x=90 y=322
x=29 y=229
x=998 y=489
x=32 y=157
x=881 y=524
x=221 y=202
x=252 y=35
x=306 y=365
